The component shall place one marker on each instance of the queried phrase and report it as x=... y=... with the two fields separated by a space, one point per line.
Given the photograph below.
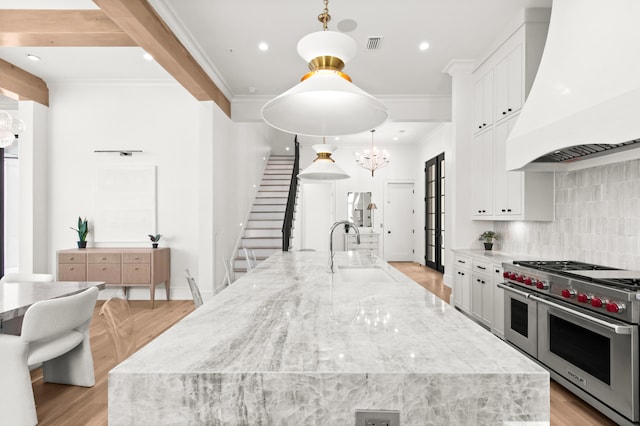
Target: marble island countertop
x=291 y=343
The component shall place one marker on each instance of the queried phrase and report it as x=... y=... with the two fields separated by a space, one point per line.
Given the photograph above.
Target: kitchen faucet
x=345 y=222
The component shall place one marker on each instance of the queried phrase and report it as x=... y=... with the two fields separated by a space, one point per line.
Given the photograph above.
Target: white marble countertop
x=291 y=321
x=493 y=256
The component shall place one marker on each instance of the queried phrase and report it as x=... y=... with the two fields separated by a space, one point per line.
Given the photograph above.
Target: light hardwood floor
x=566 y=409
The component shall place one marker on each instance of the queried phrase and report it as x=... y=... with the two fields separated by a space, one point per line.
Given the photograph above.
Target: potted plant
x=154 y=240
x=82 y=230
x=488 y=237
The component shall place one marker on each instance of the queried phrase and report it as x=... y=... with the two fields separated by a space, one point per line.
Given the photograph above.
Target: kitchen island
x=292 y=344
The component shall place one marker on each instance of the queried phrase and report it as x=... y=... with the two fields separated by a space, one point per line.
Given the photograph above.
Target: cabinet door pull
x=136 y=269
x=482 y=267
x=71 y=258
x=104 y=258
x=72 y=268
x=104 y=268
x=136 y=258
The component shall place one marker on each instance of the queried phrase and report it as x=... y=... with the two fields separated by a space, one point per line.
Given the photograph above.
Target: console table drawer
x=72 y=272
x=136 y=273
x=136 y=258
x=104 y=258
x=109 y=273
x=80 y=258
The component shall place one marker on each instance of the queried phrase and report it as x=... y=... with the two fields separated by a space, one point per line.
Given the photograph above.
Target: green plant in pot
x=82 y=230
x=488 y=237
x=154 y=239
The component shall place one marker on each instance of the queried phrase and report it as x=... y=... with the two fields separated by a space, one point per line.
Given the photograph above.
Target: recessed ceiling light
x=147 y=56
x=263 y=46
x=287 y=148
x=33 y=57
x=395 y=138
x=337 y=138
x=424 y=45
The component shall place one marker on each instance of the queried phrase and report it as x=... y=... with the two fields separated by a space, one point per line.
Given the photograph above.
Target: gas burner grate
x=562 y=265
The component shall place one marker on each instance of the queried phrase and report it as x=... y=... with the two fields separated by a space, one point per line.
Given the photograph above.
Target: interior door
x=398 y=222
x=434 y=208
x=317 y=214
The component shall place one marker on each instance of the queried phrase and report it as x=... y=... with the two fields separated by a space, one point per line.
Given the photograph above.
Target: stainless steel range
x=581 y=322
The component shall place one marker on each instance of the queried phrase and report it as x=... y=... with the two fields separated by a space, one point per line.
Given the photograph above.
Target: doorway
x=434 y=208
x=399 y=222
x=318 y=215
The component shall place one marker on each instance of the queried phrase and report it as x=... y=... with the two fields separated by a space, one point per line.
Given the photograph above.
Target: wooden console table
x=118 y=267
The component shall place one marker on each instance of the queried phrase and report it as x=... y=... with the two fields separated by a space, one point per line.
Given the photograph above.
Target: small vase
x=154 y=245
x=488 y=246
x=82 y=244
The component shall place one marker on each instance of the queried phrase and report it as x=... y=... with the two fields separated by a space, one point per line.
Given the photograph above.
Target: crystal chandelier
x=325 y=102
x=10 y=127
x=373 y=159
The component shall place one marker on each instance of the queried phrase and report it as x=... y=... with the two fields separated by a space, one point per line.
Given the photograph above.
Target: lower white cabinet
x=482 y=292
x=462 y=283
x=369 y=242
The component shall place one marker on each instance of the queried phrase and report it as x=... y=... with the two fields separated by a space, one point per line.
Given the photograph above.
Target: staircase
x=263 y=233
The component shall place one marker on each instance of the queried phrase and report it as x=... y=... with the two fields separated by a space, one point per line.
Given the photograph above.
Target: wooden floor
x=73 y=405
x=566 y=409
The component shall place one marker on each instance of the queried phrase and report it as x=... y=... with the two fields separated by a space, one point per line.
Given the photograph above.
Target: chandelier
x=10 y=127
x=373 y=159
x=325 y=102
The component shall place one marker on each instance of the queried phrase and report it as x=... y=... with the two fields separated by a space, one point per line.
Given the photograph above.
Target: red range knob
x=615 y=307
x=597 y=302
x=568 y=293
x=520 y=278
x=505 y=274
x=528 y=281
x=542 y=285
x=584 y=298
x=512 y=276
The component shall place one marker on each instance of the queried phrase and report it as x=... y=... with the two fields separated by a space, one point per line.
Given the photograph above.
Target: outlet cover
x=377 y=418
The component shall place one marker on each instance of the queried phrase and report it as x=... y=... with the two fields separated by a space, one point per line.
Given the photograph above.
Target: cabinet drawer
x=104 y=258
x=136 y=273
x=481 y=267
x=107 y=272
x=136 y=258
x=461 y=261
x=72 y=257
x=72 y=272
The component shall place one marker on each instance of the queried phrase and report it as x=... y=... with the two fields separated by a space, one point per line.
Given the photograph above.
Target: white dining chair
x=228 y=272
x=250 y=258
x=55 y=333
x=17 y=277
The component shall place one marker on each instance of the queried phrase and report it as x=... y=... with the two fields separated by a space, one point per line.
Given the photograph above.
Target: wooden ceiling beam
x=60 y=28
x=21 y=85
x=140 y=21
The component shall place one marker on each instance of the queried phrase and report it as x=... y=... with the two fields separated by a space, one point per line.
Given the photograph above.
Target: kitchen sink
x=369 y=273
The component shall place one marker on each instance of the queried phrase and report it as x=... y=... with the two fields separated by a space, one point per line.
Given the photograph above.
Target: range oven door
x=520 y=320
x=599 y=356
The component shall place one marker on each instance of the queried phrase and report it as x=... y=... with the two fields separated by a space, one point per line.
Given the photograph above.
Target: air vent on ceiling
x=373 y=43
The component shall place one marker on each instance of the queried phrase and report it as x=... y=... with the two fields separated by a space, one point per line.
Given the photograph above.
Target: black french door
x=434 y=208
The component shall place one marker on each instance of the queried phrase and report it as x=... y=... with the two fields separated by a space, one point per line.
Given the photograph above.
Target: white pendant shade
x=324 y=104
x=323 y=168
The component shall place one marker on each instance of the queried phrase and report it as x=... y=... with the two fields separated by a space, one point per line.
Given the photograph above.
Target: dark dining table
x=16 y=297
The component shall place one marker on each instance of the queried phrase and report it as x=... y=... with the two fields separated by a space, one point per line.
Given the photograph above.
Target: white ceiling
x=223 y=36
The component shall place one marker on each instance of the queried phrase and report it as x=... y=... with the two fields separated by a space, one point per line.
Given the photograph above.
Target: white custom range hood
x=584 y=105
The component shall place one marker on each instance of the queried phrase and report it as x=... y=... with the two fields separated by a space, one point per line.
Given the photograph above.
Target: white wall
x=205 y=167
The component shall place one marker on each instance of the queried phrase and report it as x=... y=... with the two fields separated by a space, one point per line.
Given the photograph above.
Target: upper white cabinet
x=499 y=194
x=483 y=102
x=509 y=87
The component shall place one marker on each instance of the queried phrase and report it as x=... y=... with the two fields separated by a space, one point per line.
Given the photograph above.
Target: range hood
x=585 y=99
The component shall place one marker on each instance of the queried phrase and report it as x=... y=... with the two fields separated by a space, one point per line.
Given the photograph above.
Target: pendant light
x=10 y=128
x=323 y=167
x=325 y=102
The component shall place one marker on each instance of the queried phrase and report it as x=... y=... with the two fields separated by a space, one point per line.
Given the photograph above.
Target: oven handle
x=521 y=293
x=618 y=329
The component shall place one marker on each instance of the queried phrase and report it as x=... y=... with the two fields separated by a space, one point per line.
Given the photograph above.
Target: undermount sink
x=367 y=273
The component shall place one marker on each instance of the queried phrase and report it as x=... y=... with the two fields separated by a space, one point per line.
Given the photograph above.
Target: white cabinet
x=509 y=87
x=462 y=283
x=482 y=170
x=519 y=195
x=482 y=292
x=498 y=301
x=483 y=110
x=368 y=242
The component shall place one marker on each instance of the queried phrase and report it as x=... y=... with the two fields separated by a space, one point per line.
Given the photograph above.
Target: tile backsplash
x=597 y=219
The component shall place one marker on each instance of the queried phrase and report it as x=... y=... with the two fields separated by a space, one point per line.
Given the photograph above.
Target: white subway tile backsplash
x=597 y=219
